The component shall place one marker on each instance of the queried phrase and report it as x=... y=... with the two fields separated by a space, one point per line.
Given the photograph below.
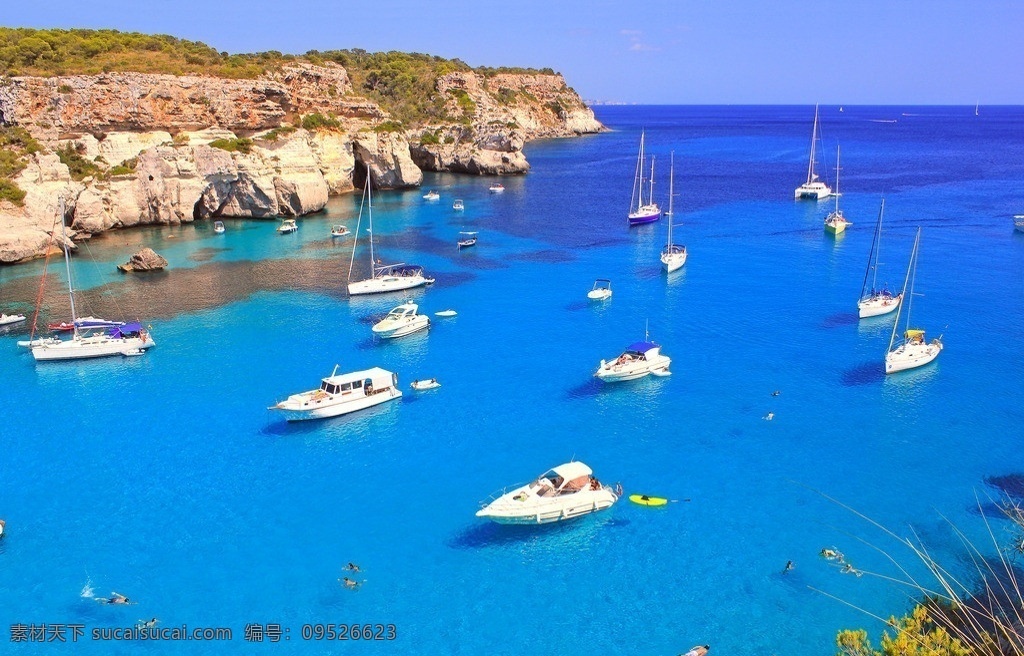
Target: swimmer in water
x=769 y=416
x=789 y=566
x=351 y=567
x=349 y=583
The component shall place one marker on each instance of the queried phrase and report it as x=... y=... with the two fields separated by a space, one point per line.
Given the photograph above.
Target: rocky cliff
x=161 y=149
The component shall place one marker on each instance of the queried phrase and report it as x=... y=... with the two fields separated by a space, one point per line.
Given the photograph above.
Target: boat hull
x=876 y=306
x=643 y=216
x=911 y=355
x=612 y=373
x=812 y=191
x=835 y=227
x=599 y=294
x=558 y=510
x=673 y=261
x=337 y=409
x=418 y=323
x=385 y=284
x=99 y=346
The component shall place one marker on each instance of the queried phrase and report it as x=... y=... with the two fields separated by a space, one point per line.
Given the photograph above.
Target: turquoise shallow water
x=165 y=478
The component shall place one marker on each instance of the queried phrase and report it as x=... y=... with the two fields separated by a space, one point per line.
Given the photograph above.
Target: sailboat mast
x=837 y=179
x=650 y=198
x=369 y=212
x=67 y=265
x=814 y=134
x=913 y=275
x=355 y=239
x=899 y=309
x=637 y=178
x=671 y=190
x=873 y=254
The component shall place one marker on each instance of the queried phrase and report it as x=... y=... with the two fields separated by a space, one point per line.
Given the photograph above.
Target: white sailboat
x=99 y=339
x=835 y=222
x=913 y=351
x=673 y=256
x=639 y=211
x=873 y=301
x=384 y=277
x=814 y=188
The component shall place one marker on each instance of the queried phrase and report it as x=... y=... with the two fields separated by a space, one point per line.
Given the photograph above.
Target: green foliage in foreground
x=11 y=192
x=16 y=144
x=917 y=634
x=242 y=145
x=72 y=157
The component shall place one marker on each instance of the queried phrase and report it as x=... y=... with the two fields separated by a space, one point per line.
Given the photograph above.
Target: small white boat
x=39 y=341
x=637 y=361
x=601 y=291
x=914 y=351
x=813 y=189
x=673 y=256
x=496 y=188
x=287 y=226
x=466 y=239
x=874 y=302
x=218 y=227
x=421 y=385
x=431 y=195
x=401 y=321
x=342 y=394
x=339 y=231
x=835 y=222
x=445 y=313
x=567 y=491
x=1018 y=222
x=458 y=205
x=10 y=318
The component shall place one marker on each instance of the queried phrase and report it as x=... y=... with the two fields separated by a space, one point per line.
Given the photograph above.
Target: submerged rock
x=145 y=260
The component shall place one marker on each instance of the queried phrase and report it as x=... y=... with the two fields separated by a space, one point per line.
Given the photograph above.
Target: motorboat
x=431 y=195
x=340 y=394
x=445 y=313
x=813 y=188
x=1018 y=222
x=385 y=277
x=6 y=319
x=875 y=301
x=401 y=321
x=640 y=359
x=641 y=212
x=458 y=205
x=466 y=239
x=218 y=227
x=564 y=492
x=422 y=385
x=601 y=291
x=287 y=226
x=673 y=256
x=339 y=231
x=496 y=188
x=914 y=350
x=835 y=222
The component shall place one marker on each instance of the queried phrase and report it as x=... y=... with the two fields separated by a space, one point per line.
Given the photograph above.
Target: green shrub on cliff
x=16 y=144
x=388 y=126
x=71 y=155
x=317 y=121
x=242 y=145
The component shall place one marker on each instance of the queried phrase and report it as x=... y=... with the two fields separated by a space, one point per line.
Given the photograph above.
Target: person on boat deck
x=595 y=484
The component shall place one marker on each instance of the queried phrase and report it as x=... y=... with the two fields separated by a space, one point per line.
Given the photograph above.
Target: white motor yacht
x=458 y=205
x=431 y=195
x=496 y=188
x=602 y=290
x=637 y=361
x=565 y=492
x=401 y=321
x=340 y=394
x=287 y=226
x=339 y=231
x=218 y=227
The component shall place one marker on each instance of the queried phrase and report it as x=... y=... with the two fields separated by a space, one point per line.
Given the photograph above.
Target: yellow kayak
x=645 y=500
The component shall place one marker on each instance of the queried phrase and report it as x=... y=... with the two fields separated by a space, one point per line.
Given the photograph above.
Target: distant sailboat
x=913 y=351
x=835 y=222
x=875 y=302
x=672 y=256
x=976 y=105
x=640 y=212
x=814 y=188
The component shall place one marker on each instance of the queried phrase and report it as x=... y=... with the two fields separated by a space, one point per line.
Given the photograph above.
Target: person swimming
x=116 y=598
x=850 y=569
x=147 y=624
x=776 y=392
x=349 y=583
x=831 y=554
x=351 y=567
x=789 y=567
x=769 y=416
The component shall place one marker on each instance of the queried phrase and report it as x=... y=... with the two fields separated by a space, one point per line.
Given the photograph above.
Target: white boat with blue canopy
x=340 y=394
x=563 y=492
x=637 y=361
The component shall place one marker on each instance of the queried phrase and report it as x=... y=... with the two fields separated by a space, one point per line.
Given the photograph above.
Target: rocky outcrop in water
x=145 y=260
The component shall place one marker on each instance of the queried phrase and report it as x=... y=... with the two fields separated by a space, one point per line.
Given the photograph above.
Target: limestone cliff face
x=159 y=129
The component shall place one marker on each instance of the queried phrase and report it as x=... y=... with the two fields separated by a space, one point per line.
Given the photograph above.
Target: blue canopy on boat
x=642 y=347
x=133 y=328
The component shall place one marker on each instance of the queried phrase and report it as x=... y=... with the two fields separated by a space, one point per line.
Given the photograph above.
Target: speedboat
x=496 y=188
x=10 y=318
x=458 y=205
x=602 y=290
x=466 y=239
x=287 y=226
x=390 y=278
x=218 y=227
x=637 y=361
x=401 y=321
x=339 y=231
x=1018 y=222
x=565 y=492
x=421 y=385
x=342 y=394
x=431 y=195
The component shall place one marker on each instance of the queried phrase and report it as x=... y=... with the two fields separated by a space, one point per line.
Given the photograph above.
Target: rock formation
x=145 y=260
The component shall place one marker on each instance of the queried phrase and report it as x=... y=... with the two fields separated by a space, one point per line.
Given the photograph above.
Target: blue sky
x=679 y=52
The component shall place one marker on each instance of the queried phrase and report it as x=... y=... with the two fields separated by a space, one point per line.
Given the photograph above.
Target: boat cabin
x=564 y=479
x=397 y=271
x=369 y=382
x=637 y=351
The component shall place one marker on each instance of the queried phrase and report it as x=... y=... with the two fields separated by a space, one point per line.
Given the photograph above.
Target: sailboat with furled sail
x=639 y=211
x=383 y=277
x=813 y=189
x=913 y=351
x=874 y=302
x=673 y=256
x=835 y=222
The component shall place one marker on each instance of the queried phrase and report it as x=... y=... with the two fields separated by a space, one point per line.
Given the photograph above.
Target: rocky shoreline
x=164 y=149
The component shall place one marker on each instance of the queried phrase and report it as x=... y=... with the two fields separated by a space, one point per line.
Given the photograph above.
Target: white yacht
x=565 y=492
x=874 y=302
x=339 y=231
x=340 y=394
x=602 y=290
x=401 y=321
x=458 y=205
x=641 y=212
x=640 y=359
x=496 y=188
x=218 y=227
x=835 y=222
x=10 y=318
x=673 y=256
x=287 y=226
x=431 y=195
x=1018 y=222
x=814 y=188
x=914 y=351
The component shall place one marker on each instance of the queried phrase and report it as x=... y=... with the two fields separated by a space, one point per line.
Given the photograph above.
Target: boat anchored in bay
x=639 y=211
x=673 y=256
x=401 y=321
x=875 y=302
x=914 y=351
x=637 y=361
x=564 y=492
x=813 y=188
x=340 y=394
x=835 y=222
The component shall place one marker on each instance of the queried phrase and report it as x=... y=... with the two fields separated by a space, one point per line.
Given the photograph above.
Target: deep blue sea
x=165 y=478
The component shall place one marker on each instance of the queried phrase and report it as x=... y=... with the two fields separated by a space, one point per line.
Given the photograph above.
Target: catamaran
x=95 y=339
x=673 y=256
x=640 y=212
x=873 y=301
x=384 y=277
x=835 y=222
x=814 y=188
x=913 y=351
